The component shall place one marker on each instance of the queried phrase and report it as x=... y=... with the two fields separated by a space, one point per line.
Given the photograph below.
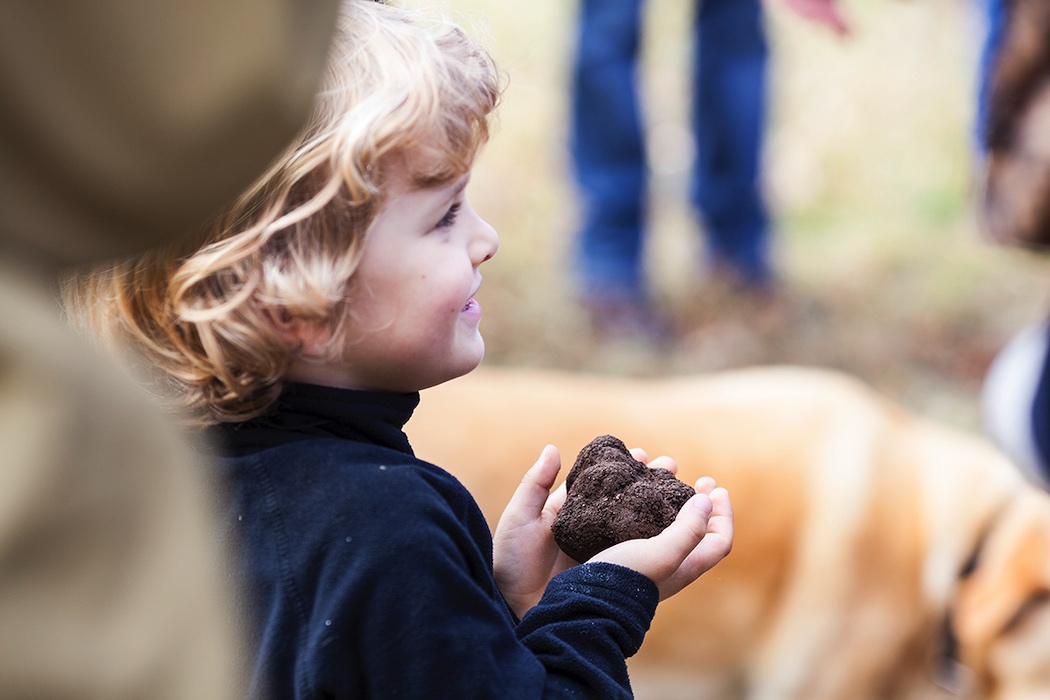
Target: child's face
x=413 y=317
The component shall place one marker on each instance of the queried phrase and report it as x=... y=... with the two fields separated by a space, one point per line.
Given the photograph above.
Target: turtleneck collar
x=310 y=411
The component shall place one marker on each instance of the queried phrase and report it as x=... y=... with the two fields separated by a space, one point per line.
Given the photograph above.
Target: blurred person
x=993 y=14
x=727 y=119
x=300 y=333
x=1013 y=127
x=123 y=125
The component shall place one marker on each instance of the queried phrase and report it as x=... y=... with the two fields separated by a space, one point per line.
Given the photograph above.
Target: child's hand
x=700 y=537
x=525 y=556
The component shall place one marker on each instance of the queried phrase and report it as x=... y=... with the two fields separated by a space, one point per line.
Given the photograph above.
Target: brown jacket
x=123 y=125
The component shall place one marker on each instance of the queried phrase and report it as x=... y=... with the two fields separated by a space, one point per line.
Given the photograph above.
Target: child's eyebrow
x=461 y=184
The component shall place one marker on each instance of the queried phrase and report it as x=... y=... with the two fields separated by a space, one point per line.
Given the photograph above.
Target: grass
x=870 y=174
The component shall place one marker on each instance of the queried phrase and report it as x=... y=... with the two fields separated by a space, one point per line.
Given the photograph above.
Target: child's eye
x=450 y=216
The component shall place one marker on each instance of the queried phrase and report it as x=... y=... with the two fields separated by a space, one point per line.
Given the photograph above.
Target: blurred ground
x=870 y=172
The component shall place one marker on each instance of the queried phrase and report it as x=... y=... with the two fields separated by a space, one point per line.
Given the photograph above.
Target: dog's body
x=856 y=524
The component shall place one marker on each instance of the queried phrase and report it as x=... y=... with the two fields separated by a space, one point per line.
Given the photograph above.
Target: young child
x=300 y=332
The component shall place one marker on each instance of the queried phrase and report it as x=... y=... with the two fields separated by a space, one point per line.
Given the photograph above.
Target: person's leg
x=607 y=149
x=728 y=120
x=995 y=18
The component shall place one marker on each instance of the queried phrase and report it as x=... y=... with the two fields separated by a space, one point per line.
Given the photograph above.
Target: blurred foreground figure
x=110 y=578
x=1016 y=211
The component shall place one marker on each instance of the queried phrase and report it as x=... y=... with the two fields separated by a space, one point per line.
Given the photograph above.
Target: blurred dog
x=1016 y=203
x=870 y=544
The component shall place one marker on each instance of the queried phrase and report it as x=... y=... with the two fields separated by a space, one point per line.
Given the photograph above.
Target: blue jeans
x=994 y=12
x=607 y=143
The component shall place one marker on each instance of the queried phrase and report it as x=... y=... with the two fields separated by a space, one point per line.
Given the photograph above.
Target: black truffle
x=612 y=497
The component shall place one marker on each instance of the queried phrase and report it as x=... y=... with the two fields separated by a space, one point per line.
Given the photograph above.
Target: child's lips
x=472 y=308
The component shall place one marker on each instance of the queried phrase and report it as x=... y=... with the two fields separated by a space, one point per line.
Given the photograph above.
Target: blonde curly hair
x=199 y=318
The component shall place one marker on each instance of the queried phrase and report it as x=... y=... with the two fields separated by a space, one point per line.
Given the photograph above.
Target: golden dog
x=863 y=533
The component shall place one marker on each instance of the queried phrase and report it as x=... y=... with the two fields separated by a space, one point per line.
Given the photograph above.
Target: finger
x=705 y=484
x=689 y=527
x=717 y=541
x=533 y=491
x=546 y=468
x=664 y=462
x=721 y=520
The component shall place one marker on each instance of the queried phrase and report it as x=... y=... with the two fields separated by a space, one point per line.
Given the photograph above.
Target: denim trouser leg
x=995 y=19
x=607 y=148
x=728 y=120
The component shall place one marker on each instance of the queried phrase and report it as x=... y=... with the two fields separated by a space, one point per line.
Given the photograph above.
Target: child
x=300 y=333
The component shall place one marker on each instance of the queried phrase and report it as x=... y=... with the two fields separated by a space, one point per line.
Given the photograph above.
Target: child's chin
x=473 y=363
x=468 y=365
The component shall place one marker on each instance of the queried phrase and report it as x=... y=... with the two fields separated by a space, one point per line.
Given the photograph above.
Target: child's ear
x=307 y=335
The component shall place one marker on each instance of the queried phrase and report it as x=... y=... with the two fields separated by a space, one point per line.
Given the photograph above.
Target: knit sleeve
x=407 y=607
x=590 y=611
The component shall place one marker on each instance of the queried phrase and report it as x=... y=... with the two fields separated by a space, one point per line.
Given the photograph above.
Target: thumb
x=689 y=526
x=531 y=494
x=545 y=470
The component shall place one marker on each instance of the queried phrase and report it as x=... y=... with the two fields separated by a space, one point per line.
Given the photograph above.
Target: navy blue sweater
x=368 y=572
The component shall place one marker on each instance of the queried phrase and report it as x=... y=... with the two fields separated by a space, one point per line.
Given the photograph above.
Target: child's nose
x=486 y=242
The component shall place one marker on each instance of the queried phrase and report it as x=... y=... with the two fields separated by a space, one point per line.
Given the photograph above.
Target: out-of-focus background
x=870 y=174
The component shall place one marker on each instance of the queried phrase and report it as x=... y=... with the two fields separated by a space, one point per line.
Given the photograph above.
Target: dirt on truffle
x=612 y=497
